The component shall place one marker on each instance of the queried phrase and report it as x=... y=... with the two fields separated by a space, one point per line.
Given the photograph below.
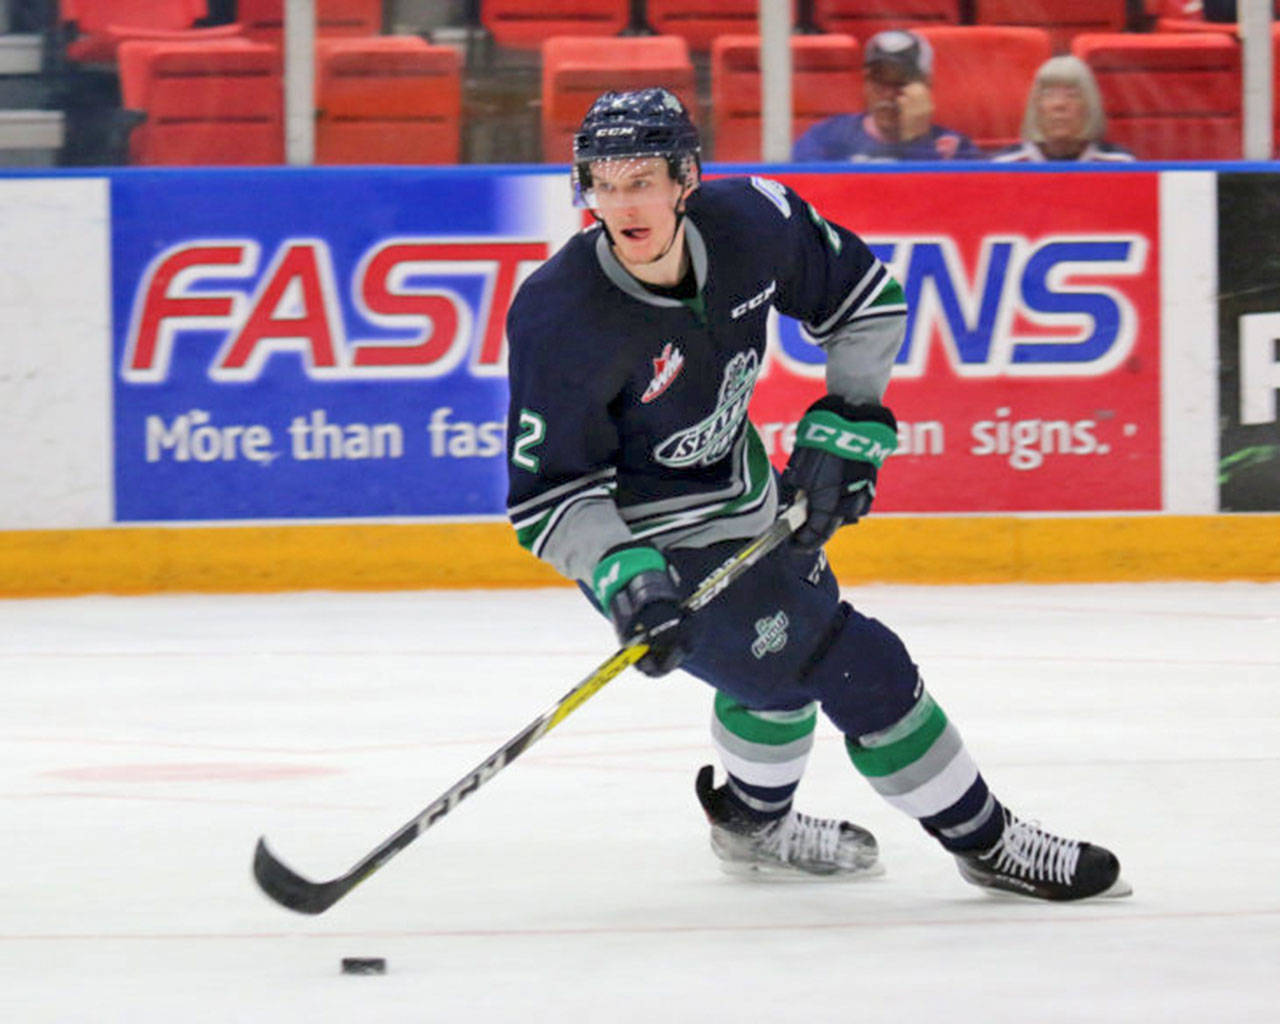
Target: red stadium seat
x=102 y=25
x=1226 y=28
x=826 y=80
x=981 y=77
x=698 y=22
x=1062 y=19
x=577 y=69
x=204 y=103
x=1168 y=96
x=387 y=100
x=263 y=20
x=864 y=18
x=94 y=16
x=526 y=24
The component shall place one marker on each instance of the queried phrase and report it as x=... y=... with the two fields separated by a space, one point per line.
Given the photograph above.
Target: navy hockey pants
x=780 y=638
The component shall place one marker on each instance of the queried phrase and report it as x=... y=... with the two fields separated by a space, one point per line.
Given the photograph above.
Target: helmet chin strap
x=674 y=232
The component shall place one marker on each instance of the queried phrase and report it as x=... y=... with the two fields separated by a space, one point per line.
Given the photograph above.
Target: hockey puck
x=364 y=965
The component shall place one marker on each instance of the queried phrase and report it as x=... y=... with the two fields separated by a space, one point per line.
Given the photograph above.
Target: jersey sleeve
x=843 y=294
x=561 y=445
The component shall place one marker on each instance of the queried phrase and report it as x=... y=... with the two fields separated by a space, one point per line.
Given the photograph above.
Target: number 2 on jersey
x=533 y=428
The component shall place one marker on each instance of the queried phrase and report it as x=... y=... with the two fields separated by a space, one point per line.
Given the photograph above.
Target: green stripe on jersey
x=890 y=295
x=758 y=471
x=756 y=474
x=527 y=536
x=773 y=728
x=896 y=754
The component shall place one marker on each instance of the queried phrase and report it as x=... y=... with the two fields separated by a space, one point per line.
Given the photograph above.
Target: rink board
x=896 y=549
x=269 y=379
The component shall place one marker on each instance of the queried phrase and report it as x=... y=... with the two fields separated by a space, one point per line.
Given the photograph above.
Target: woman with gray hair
x=1064 y=119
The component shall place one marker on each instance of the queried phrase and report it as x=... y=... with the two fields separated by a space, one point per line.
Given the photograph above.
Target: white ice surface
x=148 y=742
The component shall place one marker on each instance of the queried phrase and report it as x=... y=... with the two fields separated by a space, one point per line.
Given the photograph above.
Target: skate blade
x=753 y=871
x=1117 y=890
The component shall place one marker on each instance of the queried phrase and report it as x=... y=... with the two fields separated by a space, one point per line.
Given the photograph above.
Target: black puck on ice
x=364 y=965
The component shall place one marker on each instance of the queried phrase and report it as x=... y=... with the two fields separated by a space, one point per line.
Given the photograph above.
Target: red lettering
x=510 y=256
x=151 y=334
x=301 y=275
x=295 y=307
x=437 y=345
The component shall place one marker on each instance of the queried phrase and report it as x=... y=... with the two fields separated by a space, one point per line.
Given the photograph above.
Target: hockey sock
x=764 y=752
x=920 y=765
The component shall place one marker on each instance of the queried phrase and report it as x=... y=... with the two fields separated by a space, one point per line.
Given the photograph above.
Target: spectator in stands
x=1064 y=119
x=898 y=121
x=1202 y=10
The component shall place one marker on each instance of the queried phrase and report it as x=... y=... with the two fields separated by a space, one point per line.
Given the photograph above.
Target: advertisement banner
x=1249 y=342
x=316 y=344
x=1030 y=377
x=328 y=344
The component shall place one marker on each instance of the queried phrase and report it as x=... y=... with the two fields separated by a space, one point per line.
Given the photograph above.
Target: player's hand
x=915 y=111
x=839 y=450
x=638 y=589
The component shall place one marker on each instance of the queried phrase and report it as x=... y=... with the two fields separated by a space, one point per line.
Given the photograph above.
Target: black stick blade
x=290 y=889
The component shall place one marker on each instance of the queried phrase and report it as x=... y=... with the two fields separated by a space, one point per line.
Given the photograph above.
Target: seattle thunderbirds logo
x=712 y=438
x=771 y=635
x=666 y=368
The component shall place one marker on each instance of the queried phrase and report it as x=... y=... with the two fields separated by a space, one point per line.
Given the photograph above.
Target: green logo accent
x=864 y=442
x=1244 y=458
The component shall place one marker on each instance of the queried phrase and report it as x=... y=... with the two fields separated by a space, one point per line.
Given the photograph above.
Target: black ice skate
x=1028 y=861
x=796 y=845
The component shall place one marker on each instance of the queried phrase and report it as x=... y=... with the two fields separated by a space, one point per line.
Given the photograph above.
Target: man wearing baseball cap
x=898 y=121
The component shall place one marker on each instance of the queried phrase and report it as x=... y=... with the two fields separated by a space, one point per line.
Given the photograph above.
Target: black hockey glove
x=839 y=449
x=637 y=588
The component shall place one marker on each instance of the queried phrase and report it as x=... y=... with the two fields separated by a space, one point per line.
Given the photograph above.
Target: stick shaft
x=297 y=893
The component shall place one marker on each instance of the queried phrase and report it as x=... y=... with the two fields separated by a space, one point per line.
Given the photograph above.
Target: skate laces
x=1026 y=849
x=800 y=837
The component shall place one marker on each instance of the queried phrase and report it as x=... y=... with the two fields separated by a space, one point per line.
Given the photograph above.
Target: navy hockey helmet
x=636 y=124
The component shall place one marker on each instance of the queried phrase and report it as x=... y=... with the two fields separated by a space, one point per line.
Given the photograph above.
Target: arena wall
x=292 y=379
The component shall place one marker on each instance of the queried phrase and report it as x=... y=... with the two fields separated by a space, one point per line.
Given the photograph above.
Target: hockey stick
x=291 y=890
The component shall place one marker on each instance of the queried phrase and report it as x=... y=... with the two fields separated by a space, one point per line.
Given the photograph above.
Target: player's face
x=1062 y=113
x=637 y=200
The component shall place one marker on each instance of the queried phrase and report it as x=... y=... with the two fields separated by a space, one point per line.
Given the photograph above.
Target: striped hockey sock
x=764 y=752
x=920 y=765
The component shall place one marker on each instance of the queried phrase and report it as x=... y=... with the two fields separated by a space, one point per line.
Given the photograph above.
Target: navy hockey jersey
x=628 y=417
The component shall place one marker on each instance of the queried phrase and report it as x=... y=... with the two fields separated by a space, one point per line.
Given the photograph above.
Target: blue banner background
x=152 y=211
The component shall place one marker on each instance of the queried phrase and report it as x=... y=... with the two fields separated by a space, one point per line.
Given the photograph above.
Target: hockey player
x=635 y=471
